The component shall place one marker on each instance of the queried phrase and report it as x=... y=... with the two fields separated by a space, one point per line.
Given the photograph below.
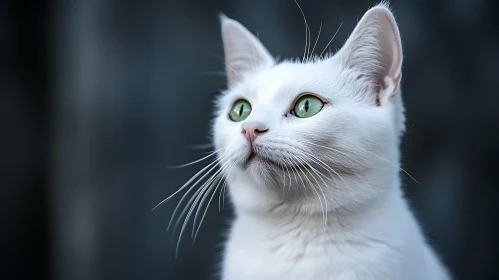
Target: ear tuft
x=374 y=49
x=222 y=17
x=244 y=53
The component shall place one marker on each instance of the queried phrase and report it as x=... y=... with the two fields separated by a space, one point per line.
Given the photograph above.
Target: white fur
x=333 y=207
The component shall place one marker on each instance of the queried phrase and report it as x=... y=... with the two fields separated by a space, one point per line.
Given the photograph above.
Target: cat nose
x=252 y=129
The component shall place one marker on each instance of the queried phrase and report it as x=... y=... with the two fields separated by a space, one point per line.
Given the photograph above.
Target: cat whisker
x=219 y=177
x=284 y=175
x=309 y=43
x=328 y=167
x=297 y=166
x=289 y=175
x=292 y=168
x=316 y=40
x=202 y=146
x=394 y=165
x=324 y=210
x=189 y=202
x=222 y=189
x=346 y=156
x=225 y=188
x=317 y=172
x=306 y=158
x=193 y=162
x=320 y=56
x=186 y=219
x=190 y=189
x=205 y=189
x=324 y=165
x=285 y=166
x=311 y=157
x=336 y=173
x=223 y=196
x=214 y=73
x=208 y=205
x=194 y=233
x=185 y=184
x=265 y=173
x=208 y=186
x=232 y=69
x=195 y=197
x=305 y=52
x=380 y=157
x=253 y=61
x=362 y=180
x=369 y=186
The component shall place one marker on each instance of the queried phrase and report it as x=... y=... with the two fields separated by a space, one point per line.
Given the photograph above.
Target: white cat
x=312 y=149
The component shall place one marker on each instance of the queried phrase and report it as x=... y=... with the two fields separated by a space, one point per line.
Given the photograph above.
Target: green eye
x=240 y=111
x=307 y=106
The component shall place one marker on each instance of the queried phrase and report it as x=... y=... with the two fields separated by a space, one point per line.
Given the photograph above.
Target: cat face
x=316 y=132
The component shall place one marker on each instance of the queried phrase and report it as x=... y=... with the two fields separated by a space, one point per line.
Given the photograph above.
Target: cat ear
x=375 y=51
x=243 y=51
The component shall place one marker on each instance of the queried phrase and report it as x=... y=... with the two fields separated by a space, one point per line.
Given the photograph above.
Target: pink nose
x=252 y=129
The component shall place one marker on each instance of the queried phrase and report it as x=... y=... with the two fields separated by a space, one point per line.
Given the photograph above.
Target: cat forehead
x=285 y=79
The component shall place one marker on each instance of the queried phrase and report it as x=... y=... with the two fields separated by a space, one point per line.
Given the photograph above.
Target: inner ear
x=374 y=50
x=244 y=53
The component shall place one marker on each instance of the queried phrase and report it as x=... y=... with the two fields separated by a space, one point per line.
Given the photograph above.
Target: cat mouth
x=255 y=158
x=251 y=158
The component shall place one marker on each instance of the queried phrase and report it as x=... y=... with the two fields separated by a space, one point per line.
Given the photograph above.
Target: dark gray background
x=98 y=96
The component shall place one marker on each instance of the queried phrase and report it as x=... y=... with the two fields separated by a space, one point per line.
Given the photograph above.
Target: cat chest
x=293 y=259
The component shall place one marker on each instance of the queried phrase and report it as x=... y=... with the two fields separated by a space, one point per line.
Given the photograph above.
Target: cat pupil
x=306 y=106
x=241 y=109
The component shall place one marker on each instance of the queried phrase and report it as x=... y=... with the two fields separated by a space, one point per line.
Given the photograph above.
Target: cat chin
x=255 y=160
x=261 y=163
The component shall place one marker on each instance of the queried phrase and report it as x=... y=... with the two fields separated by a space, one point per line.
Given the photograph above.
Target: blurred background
x=98 y=96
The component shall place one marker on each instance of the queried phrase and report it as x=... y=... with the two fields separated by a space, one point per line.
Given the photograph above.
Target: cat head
x=313 y=133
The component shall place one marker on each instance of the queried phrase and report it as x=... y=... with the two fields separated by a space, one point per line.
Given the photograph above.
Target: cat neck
x=273 y=214
x=382 y=219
